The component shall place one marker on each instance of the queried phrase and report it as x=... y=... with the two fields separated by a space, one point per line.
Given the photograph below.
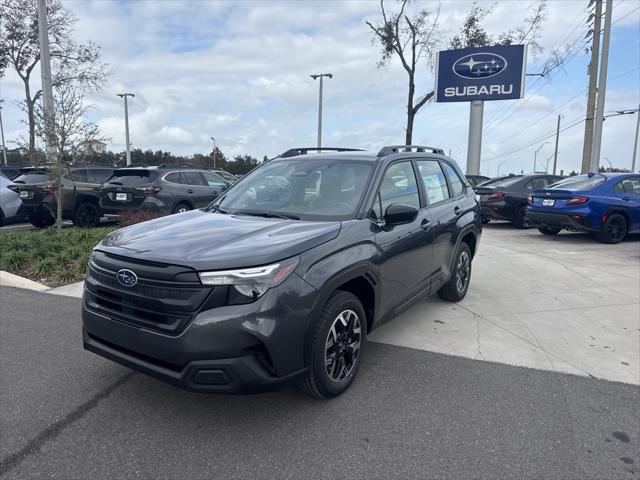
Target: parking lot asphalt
x=66 y=413
x=566 y=303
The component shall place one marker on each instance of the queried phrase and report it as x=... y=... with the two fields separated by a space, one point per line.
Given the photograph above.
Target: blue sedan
x=607 y=204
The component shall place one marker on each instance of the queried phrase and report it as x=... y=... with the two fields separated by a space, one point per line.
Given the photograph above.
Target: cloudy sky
x=239 y=71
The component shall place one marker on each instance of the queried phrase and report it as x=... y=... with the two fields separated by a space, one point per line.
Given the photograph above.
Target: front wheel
x=614 y=229
x=549 y=231
x=456 y=288
x=336 y=347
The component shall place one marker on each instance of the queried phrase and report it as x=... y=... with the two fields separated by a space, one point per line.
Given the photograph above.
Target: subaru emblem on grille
x=126 y=277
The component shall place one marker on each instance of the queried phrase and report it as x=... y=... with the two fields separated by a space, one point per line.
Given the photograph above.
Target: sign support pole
x=475 y=137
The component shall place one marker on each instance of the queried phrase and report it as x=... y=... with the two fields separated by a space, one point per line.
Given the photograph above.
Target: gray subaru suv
x=160 y=189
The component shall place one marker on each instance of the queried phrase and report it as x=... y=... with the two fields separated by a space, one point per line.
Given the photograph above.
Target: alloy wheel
x=616 y=229
x=342 y=346
x=463 y=270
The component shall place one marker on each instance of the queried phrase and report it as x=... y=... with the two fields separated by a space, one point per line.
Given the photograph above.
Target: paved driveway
x=66 y=413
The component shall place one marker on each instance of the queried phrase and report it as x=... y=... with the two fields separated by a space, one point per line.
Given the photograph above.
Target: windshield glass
x=579 y=182
x=323 y=189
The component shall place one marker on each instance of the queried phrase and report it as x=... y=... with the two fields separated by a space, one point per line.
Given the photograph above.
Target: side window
x=97 y=175
x=213 y=180
x=398 y=186
x=537 y=183
x=193 y=178
x=174 y=177
x=433 y=180
x=79 y=175
x=629 y=185
x=454 y=179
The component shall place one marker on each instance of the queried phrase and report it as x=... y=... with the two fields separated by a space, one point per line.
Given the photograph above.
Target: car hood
x=215 y=241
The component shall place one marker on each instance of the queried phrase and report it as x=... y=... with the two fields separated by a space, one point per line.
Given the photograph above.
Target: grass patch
x=47 y=256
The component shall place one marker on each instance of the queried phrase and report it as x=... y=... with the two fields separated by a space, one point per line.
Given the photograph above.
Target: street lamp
x=499 y=165
x=535 y=156
x=126 y=124
x=214 y=152
x=4 y=148
x=315 y=77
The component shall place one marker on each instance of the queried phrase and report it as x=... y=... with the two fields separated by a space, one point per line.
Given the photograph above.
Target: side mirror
x=397 y=214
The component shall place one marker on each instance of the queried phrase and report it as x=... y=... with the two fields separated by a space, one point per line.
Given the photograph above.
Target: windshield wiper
x=215 y=208
x=284 y=216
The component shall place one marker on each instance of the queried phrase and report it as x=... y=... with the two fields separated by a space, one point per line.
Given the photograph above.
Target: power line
x=626 y=15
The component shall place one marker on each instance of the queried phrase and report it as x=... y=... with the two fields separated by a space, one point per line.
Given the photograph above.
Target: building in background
x=95 y=146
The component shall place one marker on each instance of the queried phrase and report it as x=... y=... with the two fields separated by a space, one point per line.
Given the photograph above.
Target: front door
x=404 y=250
x=197 y=190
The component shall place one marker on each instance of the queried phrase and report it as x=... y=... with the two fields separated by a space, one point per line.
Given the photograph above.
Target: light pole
x=315 y=77
x=609 y=162
x=126 y=124
x=499 y=165
x=4 y=148
x=535 y=155
x=214 y=152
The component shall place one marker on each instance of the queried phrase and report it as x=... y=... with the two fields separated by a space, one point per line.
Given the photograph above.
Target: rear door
x=198 y=192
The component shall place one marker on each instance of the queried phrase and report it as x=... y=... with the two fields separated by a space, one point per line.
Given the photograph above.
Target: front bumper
x=227 y=349
x=559 y=220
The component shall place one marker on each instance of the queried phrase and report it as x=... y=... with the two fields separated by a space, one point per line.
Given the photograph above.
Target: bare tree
x=71 y=62
x=414 y=38
x=73 y=130
x=410 y=38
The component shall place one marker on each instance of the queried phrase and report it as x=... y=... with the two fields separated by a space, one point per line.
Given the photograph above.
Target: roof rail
x=174 y=165
x=294 y=152
x=389 y=149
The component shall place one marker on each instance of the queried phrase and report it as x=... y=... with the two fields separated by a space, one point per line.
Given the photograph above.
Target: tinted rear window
x=132 y=179
x=33 y=178
x=505 y=182
x=579 y=182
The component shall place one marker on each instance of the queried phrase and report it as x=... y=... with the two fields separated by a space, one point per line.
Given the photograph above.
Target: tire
x=1 y=218
x=614 y=229
x=549 y=231
x=520 y=221
x=343 y=323
x=458 y=285
x=182 y=207
x=42 y=220
x=87 y=215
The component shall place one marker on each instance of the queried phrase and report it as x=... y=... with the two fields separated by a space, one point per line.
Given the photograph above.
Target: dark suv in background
x=81 y=191
x=283 y=277
x=160 y=189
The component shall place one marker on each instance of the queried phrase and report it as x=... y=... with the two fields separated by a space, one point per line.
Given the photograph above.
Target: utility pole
x=214 y=152
x=476 y=110
x=47 y=104
x=555 y=155
x=602 y=89
x=499 y=165
x=126 y=124
x=4 y=147
x=535 y=156
x=315 y=77
x=635 y=144
x=591 y=99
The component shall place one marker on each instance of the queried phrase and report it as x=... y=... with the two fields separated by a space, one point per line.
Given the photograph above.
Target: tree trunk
x=410 y=113
x=31 y=119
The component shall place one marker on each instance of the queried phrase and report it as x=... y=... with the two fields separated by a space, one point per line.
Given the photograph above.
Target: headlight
x=252 y=283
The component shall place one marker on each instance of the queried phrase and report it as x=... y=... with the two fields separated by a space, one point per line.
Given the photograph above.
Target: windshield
x=579 y=182
x=324 y=189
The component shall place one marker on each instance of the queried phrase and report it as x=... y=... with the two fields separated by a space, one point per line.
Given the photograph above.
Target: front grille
x=165 y=298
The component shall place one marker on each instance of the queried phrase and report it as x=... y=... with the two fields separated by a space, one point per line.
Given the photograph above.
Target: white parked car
x=11 y=209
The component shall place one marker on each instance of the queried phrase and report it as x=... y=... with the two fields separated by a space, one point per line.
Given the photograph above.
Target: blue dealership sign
x=480 y=73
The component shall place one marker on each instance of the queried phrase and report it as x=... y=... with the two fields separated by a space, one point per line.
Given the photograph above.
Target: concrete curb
x=10 y=280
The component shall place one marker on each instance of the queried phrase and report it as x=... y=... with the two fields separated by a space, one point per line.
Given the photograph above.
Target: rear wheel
x=614 y=229
x=549 y=230
x=336 y=347
x=42 y=220
x=87 y=215
x=456 y=288
x=520 y=221
x=182 y=207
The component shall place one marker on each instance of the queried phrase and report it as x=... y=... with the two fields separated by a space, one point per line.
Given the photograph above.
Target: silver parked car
x=11 y=209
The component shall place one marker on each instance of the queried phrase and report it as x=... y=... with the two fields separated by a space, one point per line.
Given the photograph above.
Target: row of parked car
x=604 y=204
x=88 y=193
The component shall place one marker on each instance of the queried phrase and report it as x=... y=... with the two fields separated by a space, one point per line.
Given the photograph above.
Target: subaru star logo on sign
x=126 y=277
x=483 y=73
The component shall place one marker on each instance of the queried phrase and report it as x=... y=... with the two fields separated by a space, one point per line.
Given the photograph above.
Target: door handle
x=190 y=191
x=425 y=224
x=457 y=210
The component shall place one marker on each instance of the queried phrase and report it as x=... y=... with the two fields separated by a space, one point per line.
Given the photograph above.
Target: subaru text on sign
x=482 y=73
